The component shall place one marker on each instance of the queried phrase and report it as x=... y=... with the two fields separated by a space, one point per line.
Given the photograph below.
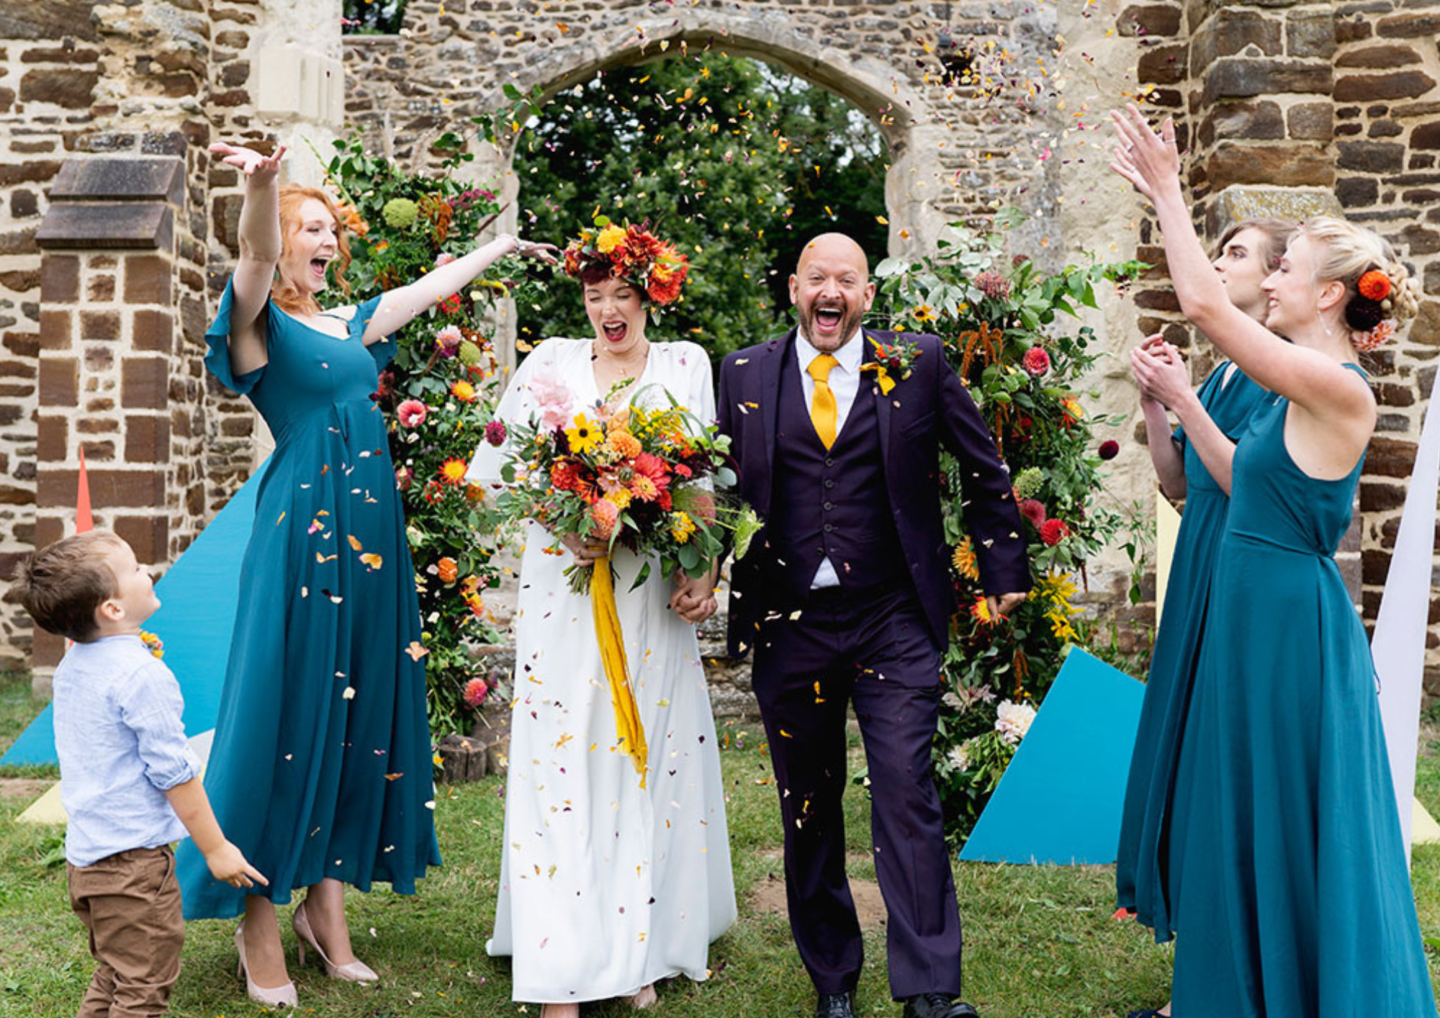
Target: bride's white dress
x=605 y=886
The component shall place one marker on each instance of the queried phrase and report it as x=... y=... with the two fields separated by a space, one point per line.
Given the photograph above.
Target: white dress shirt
x=844 y=382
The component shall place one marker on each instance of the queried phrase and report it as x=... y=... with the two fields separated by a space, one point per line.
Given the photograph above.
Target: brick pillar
x=109 y=289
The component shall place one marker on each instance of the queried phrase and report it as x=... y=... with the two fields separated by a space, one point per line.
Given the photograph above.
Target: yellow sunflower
x=584 y=436
x=964 y=560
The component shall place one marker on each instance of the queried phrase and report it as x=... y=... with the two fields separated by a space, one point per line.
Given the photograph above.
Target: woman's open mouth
x=318 y=267
x=614 y=332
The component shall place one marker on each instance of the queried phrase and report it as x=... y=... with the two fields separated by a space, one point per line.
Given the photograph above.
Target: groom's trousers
x=872 y=648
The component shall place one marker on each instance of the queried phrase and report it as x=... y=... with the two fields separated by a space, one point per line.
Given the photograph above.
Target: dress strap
x=1357 y=369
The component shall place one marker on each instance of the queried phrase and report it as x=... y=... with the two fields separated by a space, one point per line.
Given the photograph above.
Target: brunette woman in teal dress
x=321 y=764
x=1288 y=884
x=1194 y=466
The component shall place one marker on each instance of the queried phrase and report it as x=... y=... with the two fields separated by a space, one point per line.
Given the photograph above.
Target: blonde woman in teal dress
x=1194 y=464
x=1287 y=881
x=321 y=764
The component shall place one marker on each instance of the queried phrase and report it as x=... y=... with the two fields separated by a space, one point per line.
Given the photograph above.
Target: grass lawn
x=1040 y=941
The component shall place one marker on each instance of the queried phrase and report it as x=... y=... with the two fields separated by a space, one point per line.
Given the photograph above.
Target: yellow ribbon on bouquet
x=617 y=670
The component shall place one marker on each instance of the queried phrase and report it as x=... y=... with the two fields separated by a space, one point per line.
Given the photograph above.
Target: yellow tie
x=823 y=411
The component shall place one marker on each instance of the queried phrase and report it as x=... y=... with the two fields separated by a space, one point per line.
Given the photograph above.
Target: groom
x=846 y=597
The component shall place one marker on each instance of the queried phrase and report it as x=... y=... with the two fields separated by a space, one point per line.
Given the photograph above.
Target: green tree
x=736 y=162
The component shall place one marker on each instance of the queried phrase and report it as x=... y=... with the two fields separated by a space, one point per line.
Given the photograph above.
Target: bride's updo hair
x=291 y=299
x=1380 y=295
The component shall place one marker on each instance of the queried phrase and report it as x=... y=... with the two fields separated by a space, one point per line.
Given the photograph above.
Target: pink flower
x=476 y=691
x=992 y=284
x=603 y=516
x=495 y=433
x=1036 y=361
x=1109 y=449
x=702 y=505
x=1034 y=511
x=411 y=413
x=403 y=477
x=444 y=258
x=553 y=399
x=448 y=340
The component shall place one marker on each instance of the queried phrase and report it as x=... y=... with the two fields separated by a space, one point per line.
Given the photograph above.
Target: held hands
x=227 y=864
x=257 y=168
x=694 y=597
x=1146 y=159
x=1160 y=372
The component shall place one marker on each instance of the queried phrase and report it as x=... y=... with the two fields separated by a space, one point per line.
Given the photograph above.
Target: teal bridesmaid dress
x=321 y=764
x=1140 y=864
x=1288 y=879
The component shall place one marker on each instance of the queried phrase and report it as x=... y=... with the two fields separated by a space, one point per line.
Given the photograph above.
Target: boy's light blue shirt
x=121 y=745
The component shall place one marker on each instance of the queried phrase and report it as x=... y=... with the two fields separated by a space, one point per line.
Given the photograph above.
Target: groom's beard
x=849 y=323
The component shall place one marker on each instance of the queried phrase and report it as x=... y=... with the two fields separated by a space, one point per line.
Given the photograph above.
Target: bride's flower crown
x=631 y=253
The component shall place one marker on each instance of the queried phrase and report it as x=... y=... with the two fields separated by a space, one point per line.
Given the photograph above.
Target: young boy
x=128 y=780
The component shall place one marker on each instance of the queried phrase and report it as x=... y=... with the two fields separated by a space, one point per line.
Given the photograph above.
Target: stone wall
x=1304 y=108
x=102 y=344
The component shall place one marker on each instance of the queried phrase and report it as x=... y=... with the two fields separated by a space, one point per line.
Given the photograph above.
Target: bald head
x=835 y=247
x=831 y=290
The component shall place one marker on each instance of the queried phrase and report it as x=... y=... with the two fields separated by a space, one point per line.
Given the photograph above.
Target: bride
x=607 y=887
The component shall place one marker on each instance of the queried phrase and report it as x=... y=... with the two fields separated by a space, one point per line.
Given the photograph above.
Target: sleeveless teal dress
x=1141 y=861
x=321 y=764
x=1288 y=879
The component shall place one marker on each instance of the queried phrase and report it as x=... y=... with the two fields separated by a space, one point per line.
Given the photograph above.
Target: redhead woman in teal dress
x=1194 y=465
x=321 y=764
x=1287 y=880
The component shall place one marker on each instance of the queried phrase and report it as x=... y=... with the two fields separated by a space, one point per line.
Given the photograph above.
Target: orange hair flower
x=1374 y=285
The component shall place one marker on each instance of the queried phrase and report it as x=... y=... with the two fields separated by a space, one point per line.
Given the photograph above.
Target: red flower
x=1034 y=511
x=451 y=304
x=565 y=476
x=1109 y=449
x=1375 y=285
x=1036 y=361
x=653 y=468
x=1054 y=531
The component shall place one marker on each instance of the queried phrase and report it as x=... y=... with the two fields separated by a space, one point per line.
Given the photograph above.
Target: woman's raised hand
x=260 y=169
x=1141 y=156
x=547 y=253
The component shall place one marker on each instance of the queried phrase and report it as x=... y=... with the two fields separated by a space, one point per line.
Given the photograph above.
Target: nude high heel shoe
x=279 y=996
x=354 y=972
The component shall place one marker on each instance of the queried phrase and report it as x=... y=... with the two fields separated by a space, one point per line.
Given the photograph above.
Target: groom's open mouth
x=614 y=332
x=827 y=320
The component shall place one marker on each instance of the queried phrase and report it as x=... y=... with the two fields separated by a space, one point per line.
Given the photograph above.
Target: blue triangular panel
x=1061 y=796
x=198 y=595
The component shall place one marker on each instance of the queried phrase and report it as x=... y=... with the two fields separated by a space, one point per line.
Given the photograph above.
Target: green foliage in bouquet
x=1014 y=336
x=438 y=395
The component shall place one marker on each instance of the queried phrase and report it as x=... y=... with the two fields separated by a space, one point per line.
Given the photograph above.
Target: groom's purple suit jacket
x=922 y=412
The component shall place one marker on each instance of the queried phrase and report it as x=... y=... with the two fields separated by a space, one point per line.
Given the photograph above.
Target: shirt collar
x=847 y=358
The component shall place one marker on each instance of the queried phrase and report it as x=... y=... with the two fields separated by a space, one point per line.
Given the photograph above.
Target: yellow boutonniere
x=153 y=643
x=896 y=357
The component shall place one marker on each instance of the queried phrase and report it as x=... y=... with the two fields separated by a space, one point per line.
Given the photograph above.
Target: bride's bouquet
x=639 y=478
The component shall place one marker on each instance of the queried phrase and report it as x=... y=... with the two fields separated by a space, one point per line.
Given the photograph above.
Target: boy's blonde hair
x=63 y=584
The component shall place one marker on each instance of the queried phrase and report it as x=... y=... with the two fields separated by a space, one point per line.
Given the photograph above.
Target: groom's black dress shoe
x=834 y=1005
x=938 y=1005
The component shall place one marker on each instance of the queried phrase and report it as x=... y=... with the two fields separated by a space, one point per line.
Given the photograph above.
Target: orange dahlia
x=447 y=570
x=453 y=471
x=1374 y=285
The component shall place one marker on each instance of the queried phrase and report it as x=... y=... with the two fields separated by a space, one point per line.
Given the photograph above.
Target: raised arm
x=403 y=303
x=259 y=253
x=1306 y=376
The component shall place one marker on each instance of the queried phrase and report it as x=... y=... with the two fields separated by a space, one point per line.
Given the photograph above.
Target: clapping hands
x=1160 y=372
x=259 y=169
